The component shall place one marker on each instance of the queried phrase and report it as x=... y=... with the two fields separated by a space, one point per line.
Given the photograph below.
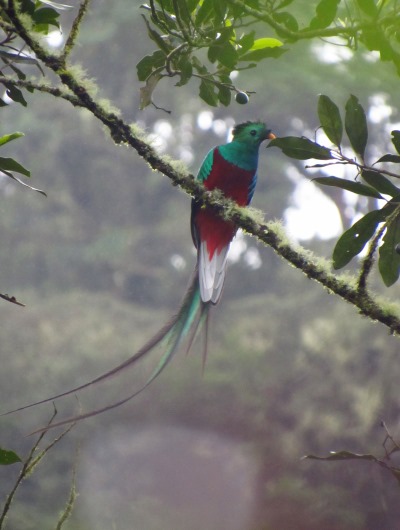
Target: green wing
x=206 y=166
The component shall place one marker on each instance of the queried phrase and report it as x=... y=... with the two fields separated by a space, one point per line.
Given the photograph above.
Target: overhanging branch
x=344 y=287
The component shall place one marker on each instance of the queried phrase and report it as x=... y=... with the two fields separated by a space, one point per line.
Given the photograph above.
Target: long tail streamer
x=192 y=314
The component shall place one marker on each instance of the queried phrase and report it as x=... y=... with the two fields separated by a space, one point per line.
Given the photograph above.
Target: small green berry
x=242 y=98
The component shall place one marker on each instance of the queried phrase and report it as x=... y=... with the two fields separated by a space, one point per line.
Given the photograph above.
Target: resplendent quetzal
x=232 y=168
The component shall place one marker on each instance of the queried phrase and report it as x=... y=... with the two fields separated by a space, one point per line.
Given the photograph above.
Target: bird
x=232 y=169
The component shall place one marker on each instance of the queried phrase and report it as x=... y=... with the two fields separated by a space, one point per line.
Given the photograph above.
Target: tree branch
x=270 y=234
x=47 y=89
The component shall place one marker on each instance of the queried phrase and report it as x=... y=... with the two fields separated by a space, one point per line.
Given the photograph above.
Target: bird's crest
x=241 y=126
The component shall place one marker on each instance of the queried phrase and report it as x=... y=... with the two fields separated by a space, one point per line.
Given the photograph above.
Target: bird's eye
x=253 y=132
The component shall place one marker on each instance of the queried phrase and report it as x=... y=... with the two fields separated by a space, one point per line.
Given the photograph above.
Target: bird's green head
x=251 y=133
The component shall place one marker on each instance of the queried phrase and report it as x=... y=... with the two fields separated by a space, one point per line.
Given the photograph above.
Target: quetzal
x=232 y=168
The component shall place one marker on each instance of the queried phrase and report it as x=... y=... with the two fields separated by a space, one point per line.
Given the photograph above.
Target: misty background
x=104 y=260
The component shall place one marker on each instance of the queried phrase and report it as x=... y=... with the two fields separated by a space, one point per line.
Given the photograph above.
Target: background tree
x=100 y=242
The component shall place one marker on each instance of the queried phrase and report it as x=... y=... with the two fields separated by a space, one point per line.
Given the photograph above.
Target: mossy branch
x=41 y=87
x=270 y=234
x=73 y=34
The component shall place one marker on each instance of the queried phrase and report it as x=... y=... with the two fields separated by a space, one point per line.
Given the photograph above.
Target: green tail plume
x=192 y=314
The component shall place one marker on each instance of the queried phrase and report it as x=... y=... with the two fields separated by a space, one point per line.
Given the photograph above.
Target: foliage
x=375 y=225
x=9 y=165
x=8 y=457
x=182 y=29
x=187 y=29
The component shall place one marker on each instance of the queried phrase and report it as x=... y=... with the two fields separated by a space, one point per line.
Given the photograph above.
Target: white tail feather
x=211 y=273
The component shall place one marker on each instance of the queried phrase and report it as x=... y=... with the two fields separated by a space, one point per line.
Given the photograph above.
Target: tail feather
x=191 y=315
x=198 y=325
x=212 y=272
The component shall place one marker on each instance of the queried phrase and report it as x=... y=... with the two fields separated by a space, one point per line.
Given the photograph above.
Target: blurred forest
x=104 y=260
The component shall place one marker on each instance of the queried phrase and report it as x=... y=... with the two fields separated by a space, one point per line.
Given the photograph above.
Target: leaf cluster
x=8 y=166
x=43 y=16
x=208 y=40
x=371 y=180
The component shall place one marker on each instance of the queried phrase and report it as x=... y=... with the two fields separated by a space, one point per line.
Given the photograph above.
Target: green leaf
x=356 y=125
x=27 y=6
x=355 y=238
x=202 y=70
x=266 y=42
x=287 y=20
x=224 y=95
x=329 y=117
x=183 y=11
x=380 y=183
x=396 y=140
x=20 y=74
x=192 y=5
x=8 y=457
x=212 y=54
x=375 y=39
x=46 y=16
x=9 y=164
x=349 y=185
x=246 y=42
x=389 y=158
x=389 y=259
x=186 y=70
x=223 y=51
x=157 y=38
x=149 y=63
x=207 y=93
x=284 y=3
x=266 y=53
x=15 y=94
x=205 y=12
x=220 y=7
x=368 y=6
x=264 y=48
x=9 y=137
x=325 y=14
x=228 y=56
x=301 y=148
x=162 y=15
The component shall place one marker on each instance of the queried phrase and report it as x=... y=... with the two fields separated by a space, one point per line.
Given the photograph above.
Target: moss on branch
x=81 y=94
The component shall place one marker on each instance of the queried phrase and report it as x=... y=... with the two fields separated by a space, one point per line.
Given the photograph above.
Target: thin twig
x=396 y=446
x=65 y=515
x=73 y=34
